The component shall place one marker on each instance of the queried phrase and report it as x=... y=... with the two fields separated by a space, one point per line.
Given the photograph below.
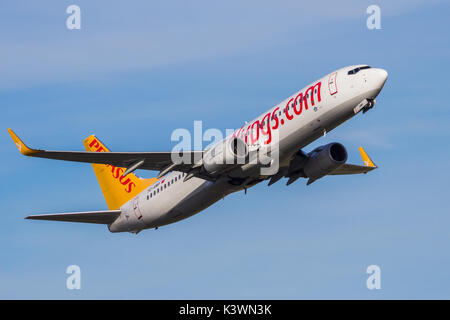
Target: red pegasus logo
x=116 y=172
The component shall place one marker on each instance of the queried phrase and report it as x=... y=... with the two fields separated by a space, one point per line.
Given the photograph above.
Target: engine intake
x=324 y=160
x=225 y=155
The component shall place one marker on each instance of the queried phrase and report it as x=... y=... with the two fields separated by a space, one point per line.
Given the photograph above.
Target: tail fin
x=116 y=188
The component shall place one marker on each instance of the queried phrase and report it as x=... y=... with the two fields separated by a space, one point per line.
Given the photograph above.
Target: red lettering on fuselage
x=312 y=89
x=298 y=104
x=252 y=137
x=268 y=131
x=286 y=110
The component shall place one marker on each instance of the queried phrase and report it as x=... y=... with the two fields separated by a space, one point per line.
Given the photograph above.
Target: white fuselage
x=311 y=112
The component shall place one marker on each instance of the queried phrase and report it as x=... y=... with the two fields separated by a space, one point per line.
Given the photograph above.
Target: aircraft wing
x=100 y=217
x=294 y=171
x=351 y=169
x=356 y=169
x=142 y=160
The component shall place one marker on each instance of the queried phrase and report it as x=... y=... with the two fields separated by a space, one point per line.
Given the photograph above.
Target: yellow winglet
x=367 y=161
x=20 y=145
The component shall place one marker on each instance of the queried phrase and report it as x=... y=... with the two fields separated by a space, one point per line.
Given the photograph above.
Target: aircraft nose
x=381 y=76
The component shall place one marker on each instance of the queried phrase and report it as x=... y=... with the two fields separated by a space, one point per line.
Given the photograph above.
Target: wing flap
x=99 y=217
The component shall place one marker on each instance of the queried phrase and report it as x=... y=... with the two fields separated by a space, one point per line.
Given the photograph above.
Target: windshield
x=356 y=70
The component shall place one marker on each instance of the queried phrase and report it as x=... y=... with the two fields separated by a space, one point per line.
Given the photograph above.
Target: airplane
x=188 y=186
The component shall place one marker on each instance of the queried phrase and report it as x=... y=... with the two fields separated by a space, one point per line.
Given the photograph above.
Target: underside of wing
x=299 y=162
x=351 y=169
x=99 y=217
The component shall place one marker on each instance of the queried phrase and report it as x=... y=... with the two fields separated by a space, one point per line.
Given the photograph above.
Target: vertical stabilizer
x=116 y=188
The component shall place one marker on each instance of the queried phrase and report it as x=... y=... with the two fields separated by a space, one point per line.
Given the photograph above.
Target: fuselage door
x=332 y=87
x=136 y=210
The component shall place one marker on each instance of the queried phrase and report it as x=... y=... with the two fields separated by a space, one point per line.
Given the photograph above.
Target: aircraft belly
x=194 y=202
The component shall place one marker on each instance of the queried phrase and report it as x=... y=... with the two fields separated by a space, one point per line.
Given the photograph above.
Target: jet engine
x=324 y=160
x=225 y=155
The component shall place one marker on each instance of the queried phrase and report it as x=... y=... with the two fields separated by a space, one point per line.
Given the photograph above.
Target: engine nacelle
x=323 y=160
x=225 y=155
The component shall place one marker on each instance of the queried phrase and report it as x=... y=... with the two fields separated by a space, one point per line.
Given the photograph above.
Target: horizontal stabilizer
x=100 y=217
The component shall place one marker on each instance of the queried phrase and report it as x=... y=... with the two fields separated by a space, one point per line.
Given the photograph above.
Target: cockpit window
x=356 y=70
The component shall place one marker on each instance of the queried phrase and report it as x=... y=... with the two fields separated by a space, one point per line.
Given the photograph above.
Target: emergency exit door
x=332 y=87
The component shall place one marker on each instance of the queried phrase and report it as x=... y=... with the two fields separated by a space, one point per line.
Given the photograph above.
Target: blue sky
x=137 y=71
